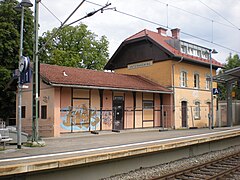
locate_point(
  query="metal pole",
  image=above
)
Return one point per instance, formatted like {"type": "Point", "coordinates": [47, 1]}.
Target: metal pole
{"type": "Point", "coordinates": [35, 76]}
{"type": "Point", "coordinates": [19, 141]}
{"type": "Point", "coordinates": [211, 89]}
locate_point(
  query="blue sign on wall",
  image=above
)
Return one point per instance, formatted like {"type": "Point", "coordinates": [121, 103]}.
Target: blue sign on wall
{"type": "Point", "coordinates": [25, 71]}
{"type": "Point", "coordinates": [216, 91]}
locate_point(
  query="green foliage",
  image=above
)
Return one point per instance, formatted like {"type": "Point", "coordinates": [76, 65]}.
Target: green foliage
{"type": "Point", "coordinates": [74, 46]}
{"type": "Point", "coordinates": [10, 21]}
{"type": "Point", "coordinates": [232, 62]}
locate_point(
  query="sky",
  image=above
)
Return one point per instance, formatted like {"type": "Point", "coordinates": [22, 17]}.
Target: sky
{"type": "Point", "coordinates": [214, 24]}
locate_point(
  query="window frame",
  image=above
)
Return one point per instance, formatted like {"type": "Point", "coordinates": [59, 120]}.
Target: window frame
{"type": "Point", "coordinates": [147, 106]}
{"type": "Point", "coordinates": [43, 111]}
{"type": "Point", "coordinates": [197, 111]}
{"type": "Point", "coordinates": [183, 79]}
{"type": "Point", "coordinates": [196, 81]}
{"type": "Point", "coordinates": [23, 112]}
{"type": "Point", "coordinates": [207, 83]}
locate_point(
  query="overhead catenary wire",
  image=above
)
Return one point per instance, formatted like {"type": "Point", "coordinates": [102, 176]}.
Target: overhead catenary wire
{"type": "Point", "coordinates": [219, 14]}
{"type": "Point", "coordinates": [54, 34]}
{"type": "Point", "coordinates": [90, 14]}
{"type": "Point", "coordinates": [192, 13]}
{"type": "Point", "coordinates": [50, 12]}
{"type": "Point", "coordinates": [155, 23]}
{"type": "Point", "coordinates": [63, 24]}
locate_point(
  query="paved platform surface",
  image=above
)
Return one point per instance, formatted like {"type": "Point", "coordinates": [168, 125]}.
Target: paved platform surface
{"type": "Point", "coordinates": [80, 148]}
{"type": "Point", "coordinates": [82, 141]}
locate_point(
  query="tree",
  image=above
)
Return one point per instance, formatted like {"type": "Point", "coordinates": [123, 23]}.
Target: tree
{"type": "Point", "coordinates": [9, 50]}
{"type": "Point", "coordinates": [74, 46]}
{"type": "Point", "coordinates": [232, 62]}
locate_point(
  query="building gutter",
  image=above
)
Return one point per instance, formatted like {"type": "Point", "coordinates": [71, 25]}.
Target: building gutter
{"type": "Point", "coordinates": [199, 62]}
{"type": "Point", "coordinates": [112, 88]}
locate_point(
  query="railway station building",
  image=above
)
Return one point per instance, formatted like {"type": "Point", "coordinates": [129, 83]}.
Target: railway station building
{"type": "Point", "coordinates": [178, 65]}
{"type": "Point", "coordinates": [75, 99]}
{"type": "Point", "coordinates": [155, 80]}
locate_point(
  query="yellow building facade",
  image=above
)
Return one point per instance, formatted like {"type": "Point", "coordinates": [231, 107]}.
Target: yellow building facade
{"type": "Point", "coordinates": [178, 65]}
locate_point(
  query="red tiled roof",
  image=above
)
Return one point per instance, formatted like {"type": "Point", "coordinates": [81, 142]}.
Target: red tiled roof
{"type": "Point", "coordinates": [79, 77]}
{"type": "Point", "coordinates": [161, 40]}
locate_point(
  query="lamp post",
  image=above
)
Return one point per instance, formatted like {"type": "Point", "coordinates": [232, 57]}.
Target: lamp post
{"type": "Point", "coordinates": [35, 84]}
{"type": "Point", "coordinates": [20, 7]}
{"type": "Point", "coordinates": [212, 51]}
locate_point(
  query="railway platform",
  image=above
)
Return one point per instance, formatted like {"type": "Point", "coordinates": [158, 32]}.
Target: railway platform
{"type": "Point", "coordinates": [83, 149]}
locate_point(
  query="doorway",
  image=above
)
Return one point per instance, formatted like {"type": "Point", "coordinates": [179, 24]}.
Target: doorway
{"type": "Point", "coordinates": [184, 113]}
{"type": "Point", "coordinates": [118, 110]}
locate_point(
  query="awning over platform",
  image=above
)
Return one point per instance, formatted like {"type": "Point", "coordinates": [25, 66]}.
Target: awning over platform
{"type": "Point", "coordinates": [228, 76]}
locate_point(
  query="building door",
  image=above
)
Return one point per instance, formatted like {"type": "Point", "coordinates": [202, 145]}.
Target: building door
{"type": "Point", "coordinates": [184, 113]}
{"type": "Point", "coordinates": [118, 110]}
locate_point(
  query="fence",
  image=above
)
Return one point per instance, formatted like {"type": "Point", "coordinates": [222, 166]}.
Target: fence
{"type": "Point", "coordinates": [165, 116]}
{"type": "Point", "coordinates": [81, 118]}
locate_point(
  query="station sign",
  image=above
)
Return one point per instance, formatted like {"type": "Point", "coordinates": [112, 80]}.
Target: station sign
{"type": "Point", "coordinates": [25, 71]}
{"type": "Point", "coordinates": [216, 91]}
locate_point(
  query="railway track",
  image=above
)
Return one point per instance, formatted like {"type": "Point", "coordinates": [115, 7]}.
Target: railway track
{"type": "Point", "coordinates": [224, 168]}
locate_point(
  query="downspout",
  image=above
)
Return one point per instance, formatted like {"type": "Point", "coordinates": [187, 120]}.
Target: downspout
{"type": "Point", "coordinates": [173, 87]}
{"type": "Point", "coordinates": [101, 106]}
{"type": "Point", "coordinates": [134, 109]}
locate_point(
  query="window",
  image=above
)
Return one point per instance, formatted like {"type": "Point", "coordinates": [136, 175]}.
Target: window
{"type": "Point", "coordinates": [197, 110]}
{"type": "Point", "coordinates": [184, 49]}
{"type": "Point", "coordinates": [147, 104]}
{"type": "Point", "coordinates": [44, 112]}
{"type": "Point", "coordinates": [196, 81]}
{"type": "Point", "coordinates": [208, 82]}
{"type": "Point", "coordinates": [23, 111]}
{"type": "Point", "coordinates": [205, 55]}
{"type": "Point", "coordinates": [183, 79]}
{"type": "Point", "coordinates": [198, 53]}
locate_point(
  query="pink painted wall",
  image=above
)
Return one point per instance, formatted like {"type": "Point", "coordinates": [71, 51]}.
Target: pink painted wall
{"type": "Point", "coordinates": [46, 98]}
{"type": "Point", "coordinates": [128, 116]}
{"type": "Point", "coordinates": [168, 109]}
{"type": "Point", "coordinates": [58, 100]}
{"type": "Point", "coordinates": [57, 113]}
{"type": "Point", "coordinates": [157, 115]}
{"type": "Point", "coordinates": [138, 113]}
{"type": "Point", "coordinates": [107, 110]}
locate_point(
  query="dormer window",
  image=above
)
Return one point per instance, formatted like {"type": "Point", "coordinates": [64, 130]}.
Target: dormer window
{"type": "Point", "coordinates": [184, 49]}
{"type": "Point", "coordinates": [205, 54]}
{"type": "Point", "coordinates": [199, 53]}
{"type": "Point", "coordinates": [194, 50]}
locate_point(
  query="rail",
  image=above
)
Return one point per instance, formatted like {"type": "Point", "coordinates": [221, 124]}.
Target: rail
{"type": "Point", "coordinates": [220, 168]}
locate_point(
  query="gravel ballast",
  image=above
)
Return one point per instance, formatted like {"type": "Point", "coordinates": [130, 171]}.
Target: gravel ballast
{"type": "Point", "coordinates": [171, 167]}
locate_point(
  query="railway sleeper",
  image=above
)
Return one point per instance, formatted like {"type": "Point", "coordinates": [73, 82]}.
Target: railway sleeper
{"type": "Point", "coordinates": [227, 166]}
{"type": "Point", "coordinates": [228, 176]}
{"type": "Point", "coordinates": [216, 167]}
{"type": "Point", "coordinates": [232, 164]}
{"type": "Point", "coordinates": [205, 172]}
{"type": "Point", "coordinates": [186, 177]}
{"type": "Point", "coordinates": [197, 174]}
{"type": "Point", "coordinates": [234, 159]}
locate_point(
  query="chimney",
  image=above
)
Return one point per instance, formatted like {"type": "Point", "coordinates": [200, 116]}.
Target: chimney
{"type": "Point", "coordinates": [162, 31]}
{"type": "Point", "coordinates": [175, 33]}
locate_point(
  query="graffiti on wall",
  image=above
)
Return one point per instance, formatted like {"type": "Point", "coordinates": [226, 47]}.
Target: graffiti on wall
{"type": "Point", "coordinates": [107, 118]}
{"type": "Point", "coordinates": [79, 118]}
